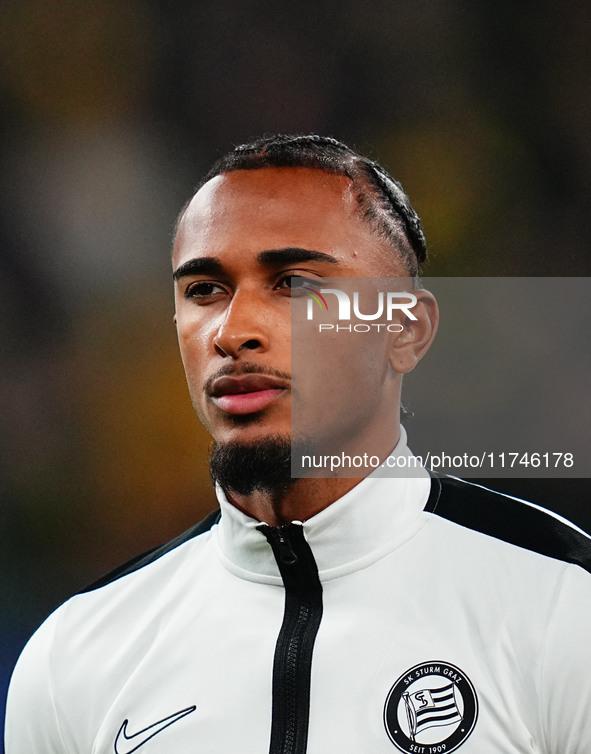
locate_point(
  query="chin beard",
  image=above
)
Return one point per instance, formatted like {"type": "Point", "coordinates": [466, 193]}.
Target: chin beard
{"type": "Point", "coordinates": [261, 466]}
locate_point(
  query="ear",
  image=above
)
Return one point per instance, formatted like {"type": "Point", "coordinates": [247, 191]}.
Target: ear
{"type": "Point", "coordinates": [408, 346]}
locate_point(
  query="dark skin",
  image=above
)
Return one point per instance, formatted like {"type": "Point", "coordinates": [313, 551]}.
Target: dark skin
{"type": "Point", "coordinates": [241, 239]}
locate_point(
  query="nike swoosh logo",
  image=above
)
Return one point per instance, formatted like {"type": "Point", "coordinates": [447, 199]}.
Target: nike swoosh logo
{"type": "Point", "coordinates": [125, 744]}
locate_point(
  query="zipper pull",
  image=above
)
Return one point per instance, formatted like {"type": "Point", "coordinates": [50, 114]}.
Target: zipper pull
{"type": "Point", "coordinates": [286, 553]}
{"type": "Point", "coordinates": [278, 538]}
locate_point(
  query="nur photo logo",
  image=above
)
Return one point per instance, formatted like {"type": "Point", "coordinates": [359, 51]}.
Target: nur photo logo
{"type": "Point", "coordinates": [386, 306]}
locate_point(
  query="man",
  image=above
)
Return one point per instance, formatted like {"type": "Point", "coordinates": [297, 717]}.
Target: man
{"type": "Point", "coordinates": [315, 614]}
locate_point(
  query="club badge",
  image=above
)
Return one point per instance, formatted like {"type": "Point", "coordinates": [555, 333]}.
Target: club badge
{"type": "Point", "coordinates": [430, 709]}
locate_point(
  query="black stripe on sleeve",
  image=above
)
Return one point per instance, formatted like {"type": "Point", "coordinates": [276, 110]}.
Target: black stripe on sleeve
{"type": "Point", "coordinates": [507, 518]}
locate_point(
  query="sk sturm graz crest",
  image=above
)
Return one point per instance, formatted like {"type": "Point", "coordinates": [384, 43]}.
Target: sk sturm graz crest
{"type": "Point", "coordinates": [432, 708]}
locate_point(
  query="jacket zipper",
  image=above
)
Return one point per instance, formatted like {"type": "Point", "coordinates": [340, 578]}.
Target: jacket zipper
{"type": "Point", "coordinates": [292, 663]}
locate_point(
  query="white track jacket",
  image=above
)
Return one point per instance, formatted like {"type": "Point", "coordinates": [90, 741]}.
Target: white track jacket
{"type": "Point", "coordinates": [385, 623]}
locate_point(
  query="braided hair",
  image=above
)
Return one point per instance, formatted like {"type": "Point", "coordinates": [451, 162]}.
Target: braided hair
{"type": "Point", "coordinates": [380, 198]}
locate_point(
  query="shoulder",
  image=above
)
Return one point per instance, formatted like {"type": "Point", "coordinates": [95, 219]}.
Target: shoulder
{"type": "Point", "coordinates": [108, 623]}
{"type": "Point", "coordinates": [102, 622]}
{"type": "Point", "coordinates": [146, 584]}
{"type": "Point", "coordinates": [509, 519]}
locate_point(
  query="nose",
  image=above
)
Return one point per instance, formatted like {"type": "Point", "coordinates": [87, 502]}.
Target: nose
{"type": "Point", "coordinates": [244, 327]}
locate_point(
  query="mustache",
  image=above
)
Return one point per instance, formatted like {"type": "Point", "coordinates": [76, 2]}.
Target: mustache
{"type": "Point", "coordinates": [237, 371]}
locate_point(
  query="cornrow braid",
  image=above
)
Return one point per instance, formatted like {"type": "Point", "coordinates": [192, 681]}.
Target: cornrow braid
{"type": "Point", "coordinates": [402, 206]}
{"type": "Point", "coordinates": [381, 199]}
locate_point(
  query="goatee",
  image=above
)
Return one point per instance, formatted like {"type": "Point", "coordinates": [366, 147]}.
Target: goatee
{"type": "Point", "coordinates": [261, 466]}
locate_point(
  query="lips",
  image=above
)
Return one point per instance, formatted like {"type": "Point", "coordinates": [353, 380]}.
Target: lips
{"type": "Point", "coordinates": [247, 394]}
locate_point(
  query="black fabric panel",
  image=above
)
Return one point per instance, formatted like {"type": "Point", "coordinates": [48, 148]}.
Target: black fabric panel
{"type": "Point", "coordinates": [507, 519]}
{"type": "Point", "coordinates": [157, 552]}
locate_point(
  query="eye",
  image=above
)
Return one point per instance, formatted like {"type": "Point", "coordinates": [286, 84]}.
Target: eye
{"type": "Point", "coordinates": [297, 285]}
{"type": "Point", "coordinates": [203, 290]}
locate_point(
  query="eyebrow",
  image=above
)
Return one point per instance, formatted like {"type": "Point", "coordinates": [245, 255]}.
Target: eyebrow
{"type": "Point", "coordinates": [199, 266]}
{"type": "Point", "coordinates": [277, 257]}
{"type": "Point", "coordinates": [270, 258]}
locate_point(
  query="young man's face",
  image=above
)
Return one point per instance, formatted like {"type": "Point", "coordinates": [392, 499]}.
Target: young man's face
{"type": "Point", "coordinates": [242, 238]}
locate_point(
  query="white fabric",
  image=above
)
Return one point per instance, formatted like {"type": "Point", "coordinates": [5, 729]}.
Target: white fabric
{"type": "Point", "coordinates": [401, 587]}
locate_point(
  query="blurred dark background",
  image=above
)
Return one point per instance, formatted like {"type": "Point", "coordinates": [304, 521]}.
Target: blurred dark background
{"type": "Point", "coordinates": [109, 113]}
